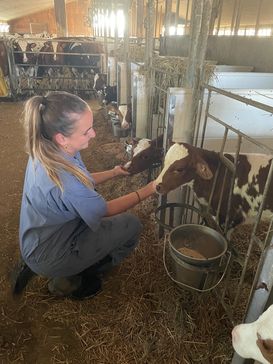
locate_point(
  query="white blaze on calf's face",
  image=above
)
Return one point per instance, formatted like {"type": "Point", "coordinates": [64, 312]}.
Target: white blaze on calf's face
{"type": "Point", "coordinates": [244, 336]}
{"type": "Point", "coordinates": [141, 145]}
{"type": "Point", "coordinates": [176, 152]}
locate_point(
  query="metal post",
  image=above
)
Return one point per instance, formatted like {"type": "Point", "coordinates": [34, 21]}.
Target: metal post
{"type": "Point", "coordinates": [258, 17]}
{"type": "Point", "coordinates": [201, 14]}
{"type": "Point", "coordinates": [177, 15]}
{"type": "Point", "coordinates": [149, 52]}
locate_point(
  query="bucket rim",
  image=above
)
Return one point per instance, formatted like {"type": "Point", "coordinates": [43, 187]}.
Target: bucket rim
{"type": "Point", "coordinates": [172, 205]}
{"type": "Point", "coordinates": [194, 260]}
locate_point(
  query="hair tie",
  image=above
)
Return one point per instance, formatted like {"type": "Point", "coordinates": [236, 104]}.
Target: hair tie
{"type": "Point", "coordinates": [43, 104]}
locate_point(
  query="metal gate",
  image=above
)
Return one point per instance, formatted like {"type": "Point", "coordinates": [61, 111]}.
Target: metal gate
{"type": "Point", "coordinates": [71, 71]}
{"type": "Point", "coordinates": [246, 289]}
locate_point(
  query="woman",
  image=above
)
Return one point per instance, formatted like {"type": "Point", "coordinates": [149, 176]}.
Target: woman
{"type": "Point", "coordinates": [67, 230]}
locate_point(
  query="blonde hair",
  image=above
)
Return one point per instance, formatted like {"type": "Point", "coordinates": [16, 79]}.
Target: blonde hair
{"type": "Point", "coordinates": [44, 117]}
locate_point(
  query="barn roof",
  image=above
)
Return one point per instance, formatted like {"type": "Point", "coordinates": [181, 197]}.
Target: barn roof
{"type": "Point", "coordinates": [14, 9]}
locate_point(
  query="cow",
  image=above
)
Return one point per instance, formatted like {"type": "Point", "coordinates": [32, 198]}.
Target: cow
{"type": "Point", "coordinates": [188, 165]}
{"type": "Point", "coordinates": [45, 58]}
{"type": "Point", "coordinates": [126, 111]}
{"type": "Point", "coordinates": [255, 340]}
{"type": "Point", "coordinates": [110, 94]}
{"type": "Point", "coordinates": [100, 82]}
{"type": "Point", "coordinates": [145, 154]}
{"type": "Point", "coordinates": [83, 56]}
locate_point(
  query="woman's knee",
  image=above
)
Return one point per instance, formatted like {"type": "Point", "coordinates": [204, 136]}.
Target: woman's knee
{"type": "Point", "coordinates": [134, 223]}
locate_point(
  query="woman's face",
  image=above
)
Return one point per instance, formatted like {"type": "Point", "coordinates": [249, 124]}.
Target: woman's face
{"type": "Point", "coordinates": [81, 135]}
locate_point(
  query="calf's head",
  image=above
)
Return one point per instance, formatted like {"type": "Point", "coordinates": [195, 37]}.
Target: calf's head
{"type": "Point", "coordinates": [182, 164]}
{"type": "Point", "coordinates": [245, 336]}
{"type": "Point", "coordinates": [145, 154]}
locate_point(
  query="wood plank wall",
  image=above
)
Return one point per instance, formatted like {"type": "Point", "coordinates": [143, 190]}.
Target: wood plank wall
{"type": "Point", "coordinates": [77, 25]}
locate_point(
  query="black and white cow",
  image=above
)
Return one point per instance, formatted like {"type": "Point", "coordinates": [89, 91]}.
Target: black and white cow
{"type": "Point", "coordinates": [188, 165]}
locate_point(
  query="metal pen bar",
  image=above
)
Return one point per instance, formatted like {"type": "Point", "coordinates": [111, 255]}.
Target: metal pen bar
{"type": "Point", "coordinates": [262, 146]}
{"type": "Point", "coordinates": [245, 100]}
{"type": "Point", "coordinates": [59, 53]}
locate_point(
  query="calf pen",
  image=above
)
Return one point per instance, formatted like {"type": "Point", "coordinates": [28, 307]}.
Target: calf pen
{"type": "Point", "coordinates": [246, 288]}
{"type": "Point", "coordinates": [51, 70]}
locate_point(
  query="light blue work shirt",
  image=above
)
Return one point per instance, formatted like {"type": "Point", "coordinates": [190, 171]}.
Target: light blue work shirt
{"type": "Point", "coordinates": [50, 219]}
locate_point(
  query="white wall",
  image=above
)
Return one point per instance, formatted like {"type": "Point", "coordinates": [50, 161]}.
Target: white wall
{"type": "Point", "coordinates": [254, 122]}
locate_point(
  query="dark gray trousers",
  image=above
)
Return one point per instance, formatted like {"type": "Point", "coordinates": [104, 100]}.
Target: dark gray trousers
{"type": "Point", "coordinates": [117, 236]}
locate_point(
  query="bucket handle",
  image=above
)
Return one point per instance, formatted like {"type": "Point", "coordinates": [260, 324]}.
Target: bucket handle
{"type": "Point", "coordinates": [185, 285]}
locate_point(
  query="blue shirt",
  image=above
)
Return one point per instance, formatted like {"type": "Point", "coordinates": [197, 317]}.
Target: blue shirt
{"type": "Point", "coordinates": [51, 219]}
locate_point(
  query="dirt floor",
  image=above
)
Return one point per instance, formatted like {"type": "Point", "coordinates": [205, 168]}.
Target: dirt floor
{"type": "Point", "coordinates": [141, 316]}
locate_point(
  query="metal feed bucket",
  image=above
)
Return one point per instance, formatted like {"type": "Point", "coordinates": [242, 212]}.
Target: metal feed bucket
{"type": "Point", "coordinates": [118, 131]}
{"type": "Point", "coordinates": [198, 255]}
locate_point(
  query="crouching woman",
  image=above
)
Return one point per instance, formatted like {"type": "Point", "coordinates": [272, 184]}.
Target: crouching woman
{"type": "Point", "coordinates": [68, 231]}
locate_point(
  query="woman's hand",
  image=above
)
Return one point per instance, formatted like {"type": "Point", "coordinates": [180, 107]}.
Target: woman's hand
{"type": "Point", "coordinates": [119, 171]}
{"type": "Point", "coordinates": [152, 186]}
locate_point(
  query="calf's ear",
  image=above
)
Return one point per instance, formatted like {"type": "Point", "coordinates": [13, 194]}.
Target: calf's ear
{"type": "Point", "coordinates": [203, 170]}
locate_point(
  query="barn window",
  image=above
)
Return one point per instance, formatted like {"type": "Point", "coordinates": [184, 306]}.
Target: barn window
{"type": "Point", "coordinates": [4, 28]}
{"type": "Point", "coordinates": [106, 23]}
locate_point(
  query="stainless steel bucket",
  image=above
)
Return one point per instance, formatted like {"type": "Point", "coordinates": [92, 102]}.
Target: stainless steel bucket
{"type": "Point", "coordinates": [197, 255]}
{"type": "Point", "coordinates": [118, 131]}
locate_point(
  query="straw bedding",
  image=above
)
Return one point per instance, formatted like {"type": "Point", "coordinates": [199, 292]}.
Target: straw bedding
{"type": "Point", "coordinates": [139, 317]}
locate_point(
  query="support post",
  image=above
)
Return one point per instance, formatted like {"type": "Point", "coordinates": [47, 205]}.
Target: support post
{"type": "Point", "coordinates": [199, 32]}
{"type": "Point", "coordinates": [60, 15]}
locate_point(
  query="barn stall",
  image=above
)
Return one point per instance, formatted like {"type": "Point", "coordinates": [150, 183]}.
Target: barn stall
{"type": "Point", "coordinates": [141, 316]}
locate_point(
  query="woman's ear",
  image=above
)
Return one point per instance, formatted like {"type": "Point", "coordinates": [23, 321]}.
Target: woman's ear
{"type": "Point", "coordinates": [60, 139]}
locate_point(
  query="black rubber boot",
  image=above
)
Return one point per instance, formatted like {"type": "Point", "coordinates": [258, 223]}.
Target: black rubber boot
{"type": "Point", "coordinates": [20, 276]}
{"type": "Point", "coordinates": [91, 283]}
{"type": "Point", "coordinates": [90, 287]}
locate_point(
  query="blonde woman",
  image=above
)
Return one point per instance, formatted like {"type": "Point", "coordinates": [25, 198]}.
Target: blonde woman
{"type": "Point", "coordinates": [68, 232]}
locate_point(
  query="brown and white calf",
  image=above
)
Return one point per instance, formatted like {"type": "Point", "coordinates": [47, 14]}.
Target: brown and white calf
{"type": "Point", "coordinates": [188, 165]}
{"type": "Point", "coordinates": [145, 154]}
{"type": "Point", "coordinates": [255, 340]}
{"type": "Point", "coordinates": [123, 113]}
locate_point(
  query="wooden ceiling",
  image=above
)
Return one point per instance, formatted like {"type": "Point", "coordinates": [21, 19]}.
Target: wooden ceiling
{"type": "Point", "coordinates": [14, 9]}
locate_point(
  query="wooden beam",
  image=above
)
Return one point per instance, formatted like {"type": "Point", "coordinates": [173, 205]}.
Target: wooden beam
{"type": "Point", "coordinates": [60, 15]}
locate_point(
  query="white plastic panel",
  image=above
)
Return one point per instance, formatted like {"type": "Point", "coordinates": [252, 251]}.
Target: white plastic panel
{"type": "Point", "coordinates": [112, 72]}
{"type": "Point", "coordinates": [122, 83]}
{"type": "Point", "coordinates": [242, 80]}
{"type": "Point", "coordinates": [253, 122]}
{"type": "Point", "coordinates": [139, 104]}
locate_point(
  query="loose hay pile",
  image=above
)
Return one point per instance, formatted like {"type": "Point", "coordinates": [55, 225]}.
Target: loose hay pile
{"type": "Point", "coordinates": [140, 316]}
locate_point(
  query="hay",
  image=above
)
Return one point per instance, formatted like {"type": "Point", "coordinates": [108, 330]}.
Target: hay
{"type": "Point", "coordinates": [136, 52]}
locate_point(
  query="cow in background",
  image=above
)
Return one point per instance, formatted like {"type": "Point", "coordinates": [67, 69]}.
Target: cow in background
{"type": "Point", "coordinates": [255, 340]}
{"type": "Point", "coordinates": [110, 94]}
{"type": "Point", "coordinates": [83, 56]}
{"type": "Point", "coordinates": [188, 165]}
{"type": "Point", "coordinates": [45, 58]}
{"type": "Point", "coordinates": [100, 80]}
